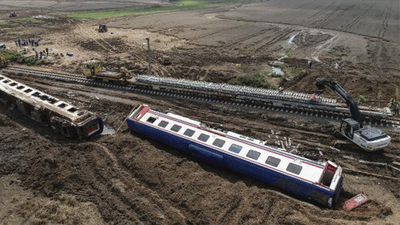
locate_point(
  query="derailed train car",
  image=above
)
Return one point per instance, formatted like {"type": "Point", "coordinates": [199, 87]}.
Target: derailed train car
{"type": "Point", "coordinates": [313, 181]}
{"type": "Point", "coordinates": [61, 116]}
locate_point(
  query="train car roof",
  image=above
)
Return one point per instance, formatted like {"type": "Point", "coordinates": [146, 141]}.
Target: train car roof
{"type": "Point", "coordinates": [36, 97]}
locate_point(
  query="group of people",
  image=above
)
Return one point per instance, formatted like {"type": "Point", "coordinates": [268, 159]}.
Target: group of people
{"type": "Point", "coordinates": [338, 66]}
{"type": "Point", "coordinates": [29, 42]}
{"type": "Point", "coordinates": [41, 54]}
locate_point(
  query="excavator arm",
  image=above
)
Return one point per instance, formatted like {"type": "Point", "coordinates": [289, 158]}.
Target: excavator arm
{"type": "Point", "coordinates": [321, 83]}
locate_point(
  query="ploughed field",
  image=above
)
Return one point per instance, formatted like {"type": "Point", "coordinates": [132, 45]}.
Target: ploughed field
{"type": "Point", "coordinates": [127, 179]}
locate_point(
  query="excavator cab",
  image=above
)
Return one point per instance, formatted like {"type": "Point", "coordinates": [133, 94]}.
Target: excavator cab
{"type": "Point", "coordinates": [348, 127]}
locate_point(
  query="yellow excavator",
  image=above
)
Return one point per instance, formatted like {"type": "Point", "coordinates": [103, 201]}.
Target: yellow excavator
{"type": "Point", "coordinates": [3, 61]}
{"type": "Point", "coordinates": [94, 70]}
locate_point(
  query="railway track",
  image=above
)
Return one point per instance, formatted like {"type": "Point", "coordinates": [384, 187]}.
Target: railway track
{"type": "Point", "coordinates": [371, 117]}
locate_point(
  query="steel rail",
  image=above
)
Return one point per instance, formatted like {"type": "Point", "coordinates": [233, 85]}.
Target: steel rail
{"type": "Point", "coordinates": [287, 106]}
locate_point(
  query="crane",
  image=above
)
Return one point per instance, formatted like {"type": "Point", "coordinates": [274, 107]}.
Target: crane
{"type": "Point", "coordinates": [366, 137]}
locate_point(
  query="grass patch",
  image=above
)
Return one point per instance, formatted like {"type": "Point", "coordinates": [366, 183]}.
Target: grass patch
{"type": "Point", "coordinates": [362, 99]}
{"type": "Point", "coordinates": [18, 58]}
{"type": "Point", "coordinates": [292, 71]}
{"type": "Point", "coordinates": [275, 75]}
{"type": "Point", "coordinates": [2, 23]}
{"type": "Point", "coordinates": [256, 80]}
{"type": "Point", "coordinates": [178, 5]}
{"type": "Point", "coordinates": [26, 20]}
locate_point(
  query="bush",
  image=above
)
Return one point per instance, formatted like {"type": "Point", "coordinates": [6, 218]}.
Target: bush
{"type": "Point", "coordinates": [251, 80]}
{"type": "Point", "coordinates": [18, 58]}
{"type": "Point", "coordinates": [275, 75]}
{"type": "Point", "coordinates": [362, 99]}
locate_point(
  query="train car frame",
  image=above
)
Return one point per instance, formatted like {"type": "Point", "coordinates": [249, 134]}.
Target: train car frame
{"type": "Point", "coordinates": [61, 116]}
{"type": "Point", "coordinates": [316, 182]}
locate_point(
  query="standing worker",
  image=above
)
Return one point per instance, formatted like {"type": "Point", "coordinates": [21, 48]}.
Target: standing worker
{"type": "Point", "coordinates": [394, 106]}
{"type": "Point", "coordinates": [309, 63]}
{"type": "Point", "coordinates": [336, 66]}
{"type": "Point", "coordinates": [313, 98]}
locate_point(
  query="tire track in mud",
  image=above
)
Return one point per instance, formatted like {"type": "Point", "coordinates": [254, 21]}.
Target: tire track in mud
{"type": "Point", "coordinates": [140, 60]}
{"type": "Point", "coordinates": [216, 32]}
{"type": "Point", "coordinates": [247, 38]}
{"type": "Point", "coordinates": [283, 35]}
{"type": "Point", "coordinates": [385, 22]}
{"type": "Point", "coordinates": [88, 35]}
{"type": "Point", "coordinates": [358, 18]}
{"type": "Point", "coordinates": [132, 187]}
{"type": "Point", "coordinates": [332, 16]}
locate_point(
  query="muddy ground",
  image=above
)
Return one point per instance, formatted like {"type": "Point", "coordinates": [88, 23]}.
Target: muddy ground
{"type": "Point", "coordinates": [126, 179]}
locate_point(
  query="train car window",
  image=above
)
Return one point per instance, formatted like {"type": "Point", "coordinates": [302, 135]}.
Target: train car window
{"type": "Point", "coordinates": [13, 84]}
{"type": "Point", "coordinates": [151, 120]}
{"type": "Point", "coordinates": [1, 78]}
{"type": "Point", "coordinates": [163, 123]}
{"type": "Point", "coordinates": [28, 90]}
{"type": "Point", "coordinates": [203, 137]}
{"type": "Point", "coordinates": [293, 168]}
{"type": "Point", "coordinates": [189, 132]}
{"type": "Point", "coordinates": [20, 87]}
{"type": "Point", "coordinates": [273, 161]}
{"type": "Point", "coordinates": [6, 81]}
{"type": "Point", "coordinates": [52, 100]}
{"type": "Point", "coordinates": [71, 109]}
{"type": "Point", "coordinates": [253, 154]}
{"type": "Point", "coordinates": [36, 94]}
{"type": "Point", "coordinates": [176, 128]}
{"type": "Point", "coordinates": [62, 105]}
{"type": "Point", "coordinates": [219, 143]}
{"type": "Point", "coordinates": [235, 148]}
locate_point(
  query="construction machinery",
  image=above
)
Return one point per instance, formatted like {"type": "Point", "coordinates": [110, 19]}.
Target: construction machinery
{"type": "Point", "coordinates": [164, 59]}
{"type": "Point", "coordinates": [102, 28]}
{"type": "Point", "coordinates": [93, 70]}
{"type": "Point", "coordinates": [366, 137]}
{"type": "Point", "coordinates": [3, 61]}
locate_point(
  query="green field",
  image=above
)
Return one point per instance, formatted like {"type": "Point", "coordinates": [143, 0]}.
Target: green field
{"type": "Point", "coordinates": [178, 5]}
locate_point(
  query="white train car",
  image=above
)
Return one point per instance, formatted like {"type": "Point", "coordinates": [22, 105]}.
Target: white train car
{"type": "Point", "coordinates": [313, 181]}
{"type": "Point", "coordinates": [61, 116]}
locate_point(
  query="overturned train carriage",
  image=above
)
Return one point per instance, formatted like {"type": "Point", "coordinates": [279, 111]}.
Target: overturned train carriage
{"type": "Point", "coordinates": [313, 181]}
{"type": "Point", "coordinates": [61, 116]}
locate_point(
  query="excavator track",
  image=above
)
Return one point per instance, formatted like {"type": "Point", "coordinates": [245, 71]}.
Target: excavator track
{"type": "Point", "coordinates": [285, 105]}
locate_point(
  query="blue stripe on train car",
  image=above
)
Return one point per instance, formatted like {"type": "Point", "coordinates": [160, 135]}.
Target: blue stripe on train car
{"type": "Point", "coordinates": [308, 191]}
